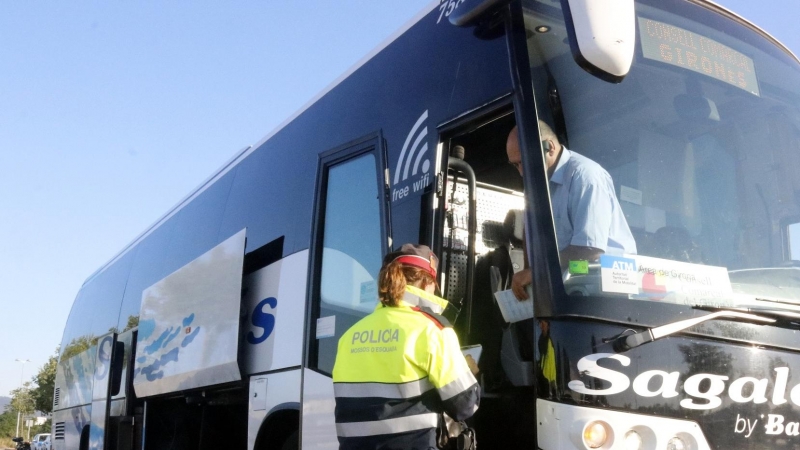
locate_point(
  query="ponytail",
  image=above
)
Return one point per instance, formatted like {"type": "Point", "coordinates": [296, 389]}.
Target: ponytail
{"type": "Point", "coordinates": [394, 277]}
{"type": "Point", "coordinates": [391, 284]}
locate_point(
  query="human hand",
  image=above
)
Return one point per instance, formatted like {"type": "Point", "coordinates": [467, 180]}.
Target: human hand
{"type": "Point", "coordinates": [473, 366]}
{"type": "Point", "coordinates": [519, 282]}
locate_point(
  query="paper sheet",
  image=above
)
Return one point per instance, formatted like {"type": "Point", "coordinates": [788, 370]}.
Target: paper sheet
{"type": "Point", "coordinates": [474, 351]}
{"type": "Point", "coordinates": [514, 310]}
{"type": "Point", "coordinates": [326, 327]}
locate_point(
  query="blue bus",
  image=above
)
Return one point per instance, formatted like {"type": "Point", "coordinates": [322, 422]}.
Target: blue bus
{"type": "Point", "coordinates": [217, 327]}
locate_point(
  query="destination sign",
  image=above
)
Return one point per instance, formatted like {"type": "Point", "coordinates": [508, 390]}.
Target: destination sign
{"type": "Point", "coordinates": [678, 47]}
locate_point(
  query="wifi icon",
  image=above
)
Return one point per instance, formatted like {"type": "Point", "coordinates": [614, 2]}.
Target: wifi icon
{"type": "Point", "coordinates": [415, 153]}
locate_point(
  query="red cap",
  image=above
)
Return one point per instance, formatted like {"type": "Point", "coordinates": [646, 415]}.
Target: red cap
{"type": "Point", "coordinates": [415, 255]}
{"type": "Point", "coordinates": [418, 261]}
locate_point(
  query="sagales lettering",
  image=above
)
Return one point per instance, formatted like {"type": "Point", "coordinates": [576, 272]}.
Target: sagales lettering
{"type": "Point", "coordinates": [740, 390]}
{"type": "Point", "coordinates": [263, 320]}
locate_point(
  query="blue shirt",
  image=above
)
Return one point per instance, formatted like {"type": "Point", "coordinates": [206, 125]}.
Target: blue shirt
{"type": "Point", "coordinates": [585, 207]}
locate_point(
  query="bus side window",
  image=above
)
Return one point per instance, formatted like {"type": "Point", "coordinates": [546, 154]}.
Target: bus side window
{"type": "Point", "coordinates": [351, 253]}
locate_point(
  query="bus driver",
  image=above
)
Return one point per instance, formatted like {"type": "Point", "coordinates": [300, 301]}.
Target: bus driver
{"type": "Point", "coordinates": [588, 218]}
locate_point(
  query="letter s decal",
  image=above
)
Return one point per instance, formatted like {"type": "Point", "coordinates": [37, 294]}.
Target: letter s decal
{"type": "Point", "coordinates": [588, 366]}
{"type": "Point", "coordinates": [263, 320]}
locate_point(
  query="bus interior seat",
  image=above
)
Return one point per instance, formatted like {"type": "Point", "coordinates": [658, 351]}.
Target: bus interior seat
{"type": "Point", "coordinates": [516, 354]}
{"type": "Point", "coordinates": [493, 203]}
{"type": "Point", "coordinates": [488, 329]}
{"type": "Point", "coordinates": [514, 225]}
{"type": "Point", "coordinates": [507, 354]}
{"type": "Point", "coordinates": [518, 370]}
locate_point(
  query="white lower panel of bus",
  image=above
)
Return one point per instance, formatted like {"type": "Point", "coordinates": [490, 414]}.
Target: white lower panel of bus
{"type": "Point", "coordinates": [319, 427]}
{"type": "Point", "coordinates": [562, 427]}
{"type": "Point", "coordinates": [268, 394]}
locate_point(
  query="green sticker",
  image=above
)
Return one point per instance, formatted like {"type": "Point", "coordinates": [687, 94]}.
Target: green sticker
{"type": "Point", "coordinates": [579, 267]}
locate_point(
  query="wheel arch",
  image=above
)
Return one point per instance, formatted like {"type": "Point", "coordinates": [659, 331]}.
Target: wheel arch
{"type": "Point", "coordinates": [280, 423]}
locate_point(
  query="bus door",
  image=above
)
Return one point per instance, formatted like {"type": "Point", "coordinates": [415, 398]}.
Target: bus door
{"type": "Point", "coordinates": [107, 382]}
{"type": "Point", "coordinates": [125, 418]}
{"type": "Point", "coordinates": [351, 236]}
{"type": "Point", "coordinates": [478, 229]}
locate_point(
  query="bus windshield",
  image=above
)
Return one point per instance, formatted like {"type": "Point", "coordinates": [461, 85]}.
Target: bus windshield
{"type": "Point", "coordinates": [700, 141]}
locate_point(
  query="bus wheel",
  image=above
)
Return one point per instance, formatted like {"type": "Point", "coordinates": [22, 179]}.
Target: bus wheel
{"type": "Point", "coordinates": [291, 442]}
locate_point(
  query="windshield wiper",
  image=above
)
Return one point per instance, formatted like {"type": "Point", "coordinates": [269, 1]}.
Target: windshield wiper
{"type": "Point", "coordinates": [626, 342]}
{"type": "Point", "coordinates": [782, 317]}
{"type": "Point", "coordinates": [778, 300]}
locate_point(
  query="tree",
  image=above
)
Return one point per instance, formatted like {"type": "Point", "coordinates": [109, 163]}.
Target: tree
{"type": "Point", "coordinates": [22, 404]}
{"type": "Point", "coordinates": [45, 384]}
{"type": "Point", "coordinates": [22, 399]}
{"type": "Point", "coordinates": [8, 423]}
{"type": "Point", "coordinates": [133, 322]}
{"type": "Point", "coordinates": [78, 345]}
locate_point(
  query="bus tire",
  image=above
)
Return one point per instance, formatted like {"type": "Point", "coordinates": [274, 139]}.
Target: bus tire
{"type": "Point", "coordinates": [292, 442]}
{"type": "Point", "coordinates": [279, 431]}
{"type": "Point", "coordinates": [83, 444]}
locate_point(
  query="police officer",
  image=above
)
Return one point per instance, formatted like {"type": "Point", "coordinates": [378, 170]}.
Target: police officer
{"type": "Point", "coordinates": [401, 366]}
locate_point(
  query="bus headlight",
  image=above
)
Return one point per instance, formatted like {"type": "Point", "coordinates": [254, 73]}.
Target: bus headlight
{"type": "Point", "coordinates": [633, 441]}
{"type": "Point", "coordinates": [596, 434]}
{"type": "Point", "coordinates": [563, 426]}
{"type": "Point", "coordinates": [676, 443]}
{"type": "Point", "coordinates": [682, 441]}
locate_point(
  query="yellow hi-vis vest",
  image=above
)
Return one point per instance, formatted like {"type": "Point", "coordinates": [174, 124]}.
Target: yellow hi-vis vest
{"type": "Point", "coordinates": [396, 370]}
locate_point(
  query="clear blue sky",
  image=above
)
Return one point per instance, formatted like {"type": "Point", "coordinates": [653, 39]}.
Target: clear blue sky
{"type": "Point", "coordinates": [111, 112]}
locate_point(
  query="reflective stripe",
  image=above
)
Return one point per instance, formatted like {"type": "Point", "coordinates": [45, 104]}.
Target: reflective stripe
{"type": "Point", "coordinates": [415, 300]}
{"type": "Point", "coordinates": [457, 386]}
{"type": "Point", "coordinates": [388, 426]}
{"type": "Point", "coordinates": [382, 390]}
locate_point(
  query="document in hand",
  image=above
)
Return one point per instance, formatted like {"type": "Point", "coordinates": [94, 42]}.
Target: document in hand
{"type": "Point", "coordinates": [472, 350]}
{"type": "Point", "coordinates": [514, 310]}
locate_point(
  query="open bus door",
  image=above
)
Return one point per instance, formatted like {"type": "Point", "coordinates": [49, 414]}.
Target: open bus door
{"type": "Point", "coordinates": [108, 380]}
{"type": "Point", "coordinates": [477, 227]}
{"type": "Point", "coordinates": [351, 236]}
{"type": "Point", "coordinates": [125, 417]}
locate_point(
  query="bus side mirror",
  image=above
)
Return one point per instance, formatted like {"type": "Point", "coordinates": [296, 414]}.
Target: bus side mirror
{"type": "Point", "coordinates": [602, 36]}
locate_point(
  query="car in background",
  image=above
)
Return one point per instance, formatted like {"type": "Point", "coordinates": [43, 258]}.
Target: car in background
{"type": "Point", "coordinates": [41, 442]}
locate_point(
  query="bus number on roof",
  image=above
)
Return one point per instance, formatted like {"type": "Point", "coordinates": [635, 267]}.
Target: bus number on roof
{"type": "Point", "coordinates": [446, 7]}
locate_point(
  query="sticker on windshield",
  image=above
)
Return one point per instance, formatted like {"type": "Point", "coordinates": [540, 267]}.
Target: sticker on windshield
{"type": "Point", "coordinates": [619, 275]}
{"type": "Point", "coordinates": [369, 291]}
{"type": "Point", "coordinates": [630, 195]}
{"type": "Point", "coordinates": [649, 278]}
{"type": "Point", "coordinates": [678, 47]}
{"type": "Point", "coordinates": [580, 267]}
